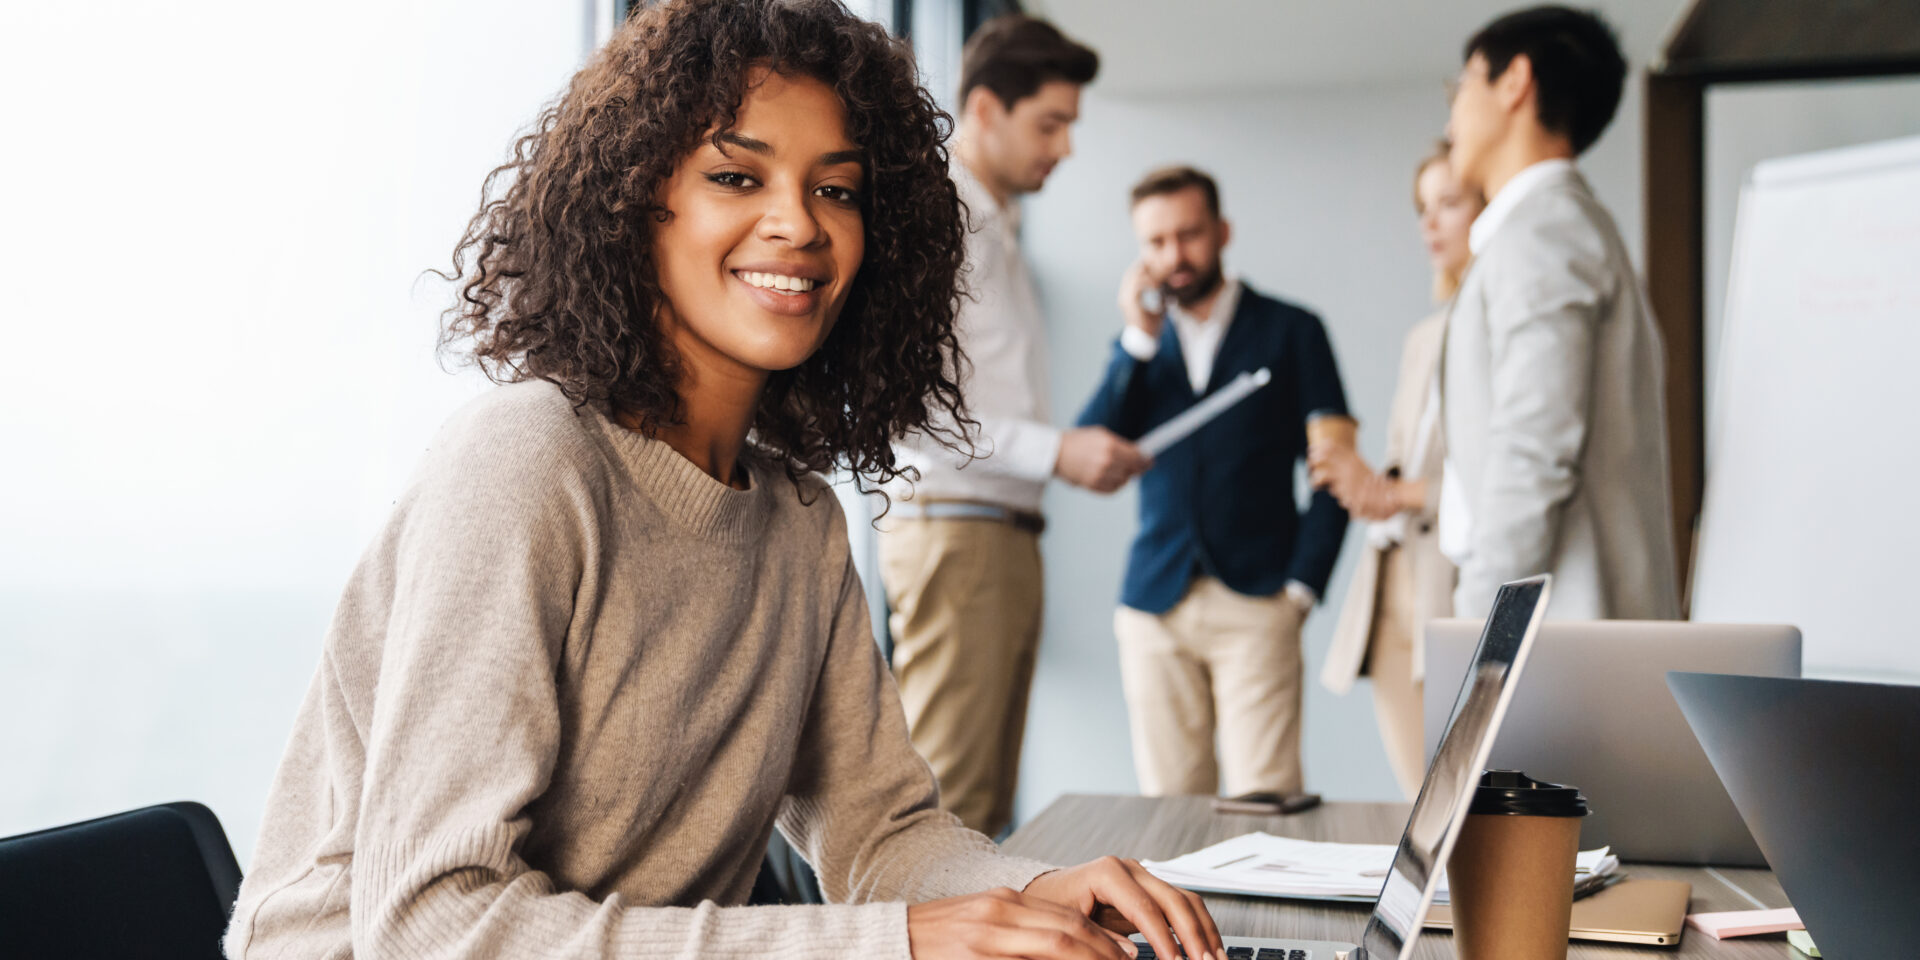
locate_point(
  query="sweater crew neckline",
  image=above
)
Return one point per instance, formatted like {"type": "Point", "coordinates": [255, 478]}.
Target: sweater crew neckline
{"type": "Point", "coordinates": [686, 494]}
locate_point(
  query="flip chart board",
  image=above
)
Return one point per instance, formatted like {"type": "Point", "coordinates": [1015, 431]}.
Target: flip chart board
{"type": "Point", "coordinates": [1811, 514]}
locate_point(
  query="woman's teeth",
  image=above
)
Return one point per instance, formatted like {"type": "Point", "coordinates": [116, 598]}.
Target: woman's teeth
{"type": "Point", "coordinates": [776, 281]}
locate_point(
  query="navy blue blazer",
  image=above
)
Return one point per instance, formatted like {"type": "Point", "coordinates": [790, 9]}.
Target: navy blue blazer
{"type": "Point", "coordinates": [1221, 502]}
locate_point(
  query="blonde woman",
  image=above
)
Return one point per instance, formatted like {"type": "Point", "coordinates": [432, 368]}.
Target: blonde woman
{"type": "Point", "coordinates": [1402, 579]}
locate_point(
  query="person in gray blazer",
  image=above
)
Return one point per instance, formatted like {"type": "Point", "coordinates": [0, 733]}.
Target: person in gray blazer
{"type": "Point", "coordinates": [1552, 379]}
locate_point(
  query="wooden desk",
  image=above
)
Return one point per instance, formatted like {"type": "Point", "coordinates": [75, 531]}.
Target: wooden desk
{"type": "Point", "coordinates": [1078, 828]}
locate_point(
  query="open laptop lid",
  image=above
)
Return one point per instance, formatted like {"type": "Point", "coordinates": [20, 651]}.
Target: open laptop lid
{"type": "Point", "coordinates": [1455, 771]}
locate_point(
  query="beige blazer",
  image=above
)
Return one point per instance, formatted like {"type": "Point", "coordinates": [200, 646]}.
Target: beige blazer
{"type": "Point", "coordinates": [1432, 574]}
{"type": "Point", "coordinates": [1554, 396]}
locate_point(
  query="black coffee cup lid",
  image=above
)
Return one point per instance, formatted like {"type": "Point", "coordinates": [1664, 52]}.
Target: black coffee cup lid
{"type": "Point", "coordinates": [1512, 793]}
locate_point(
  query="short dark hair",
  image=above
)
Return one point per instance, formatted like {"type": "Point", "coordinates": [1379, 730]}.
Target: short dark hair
{"type": "Point", "coordinates": [1175, 179]}
{"type": "Point", "coordinates": [1013, 54]}
{"type": "Point", "coordinates": [1578, 71]}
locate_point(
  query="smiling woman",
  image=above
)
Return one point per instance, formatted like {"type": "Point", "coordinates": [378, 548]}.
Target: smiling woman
{"type": "Point", "coordinates": [565, 270]}
{"type": "Point", "coordinates": [762, 241]}
{"type": "Point", "coordinates": [601, 649]}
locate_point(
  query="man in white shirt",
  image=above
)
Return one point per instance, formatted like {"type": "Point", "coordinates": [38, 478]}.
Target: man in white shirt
{"type": "Point", "coordinates": [1553, 382]}
{"type": "Point", "coordinates": [960, 548]}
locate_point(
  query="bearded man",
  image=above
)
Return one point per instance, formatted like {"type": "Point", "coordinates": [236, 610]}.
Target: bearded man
{"type": "Point", "coordinates": [1226, 565]}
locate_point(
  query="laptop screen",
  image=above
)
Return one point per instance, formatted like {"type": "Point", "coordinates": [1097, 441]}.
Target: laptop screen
{"type": "Point", "coordinates": [1455, 771]}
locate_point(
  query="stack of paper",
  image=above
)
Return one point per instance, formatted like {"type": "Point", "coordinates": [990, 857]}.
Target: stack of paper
{"type": "Point", "coordinates": [1263, 865]}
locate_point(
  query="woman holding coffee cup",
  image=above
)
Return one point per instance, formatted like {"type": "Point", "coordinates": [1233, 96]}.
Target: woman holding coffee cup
{"type": "Point", "coordinates": [1402, 579]}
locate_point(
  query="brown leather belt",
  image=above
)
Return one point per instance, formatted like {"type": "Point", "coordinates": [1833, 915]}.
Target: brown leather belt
{"type": "Point", "coordinates": [967, 510]}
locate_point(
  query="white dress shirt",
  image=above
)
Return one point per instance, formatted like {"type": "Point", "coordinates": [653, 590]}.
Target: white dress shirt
{"type": "Point", "coordinates": [1455, 515]}
{"type": "Point", "coordinates": [1003, 335]}
{"type": "Point", "coordinates": [1200, 346]}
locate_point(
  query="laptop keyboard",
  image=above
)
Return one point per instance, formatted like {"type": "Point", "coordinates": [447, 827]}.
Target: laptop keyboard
{"type": "Point", "coordinates": [1241, 953]}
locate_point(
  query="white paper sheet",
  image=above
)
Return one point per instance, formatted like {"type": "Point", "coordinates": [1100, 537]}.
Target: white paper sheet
{"type": "Point", "coordinates": [1261, 864]}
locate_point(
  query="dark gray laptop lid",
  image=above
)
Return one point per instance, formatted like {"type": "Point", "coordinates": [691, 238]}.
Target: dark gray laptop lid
{"type": "Point", "coordinates": [1827, 774]}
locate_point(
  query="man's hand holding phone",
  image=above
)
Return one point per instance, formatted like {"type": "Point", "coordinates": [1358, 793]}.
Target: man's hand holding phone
{"type": "Point", "coordinates": [1136, 286]}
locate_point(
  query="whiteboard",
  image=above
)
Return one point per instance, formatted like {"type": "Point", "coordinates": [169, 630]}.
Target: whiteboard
{"type": "Point", "coordinates": [1812, 508]}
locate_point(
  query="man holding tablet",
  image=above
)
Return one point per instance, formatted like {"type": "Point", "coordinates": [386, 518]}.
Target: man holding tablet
{"type": "Point", "coordinates": [1225, 566]}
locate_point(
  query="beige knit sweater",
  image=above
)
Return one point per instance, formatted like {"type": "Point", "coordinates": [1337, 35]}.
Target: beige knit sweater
{"type": "Point", "coordinates": [569, 692]}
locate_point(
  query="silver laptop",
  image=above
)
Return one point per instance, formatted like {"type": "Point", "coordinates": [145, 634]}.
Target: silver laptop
{"type": "Point", "coordinates": [1452, 776]}
{"type": "Point", "coordinates": [1596, 714]}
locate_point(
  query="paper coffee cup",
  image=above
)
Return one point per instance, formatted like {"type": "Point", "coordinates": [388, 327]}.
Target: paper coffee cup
{"type": "Point", "coordinates": [1511, 873]}
{"type": "Point", "coordinates": [1327, 426]}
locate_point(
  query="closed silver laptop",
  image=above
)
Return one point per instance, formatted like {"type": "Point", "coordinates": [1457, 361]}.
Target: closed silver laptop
{"type": "Point", "coordinates": [1596, 713]}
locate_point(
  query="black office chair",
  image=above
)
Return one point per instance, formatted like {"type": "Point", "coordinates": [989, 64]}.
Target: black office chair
{"type": "Point", "coordinates": [785, 877]}
{"type": "Point", "coordinates": [151, 884]}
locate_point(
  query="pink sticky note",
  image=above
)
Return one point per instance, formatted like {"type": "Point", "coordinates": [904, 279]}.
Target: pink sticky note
{"type": "Point", "coordinates": [1745, 923]}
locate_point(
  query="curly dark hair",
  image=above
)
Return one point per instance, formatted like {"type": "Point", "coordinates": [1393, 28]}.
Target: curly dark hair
{"type": "Point", "coordinates": [557, 281]}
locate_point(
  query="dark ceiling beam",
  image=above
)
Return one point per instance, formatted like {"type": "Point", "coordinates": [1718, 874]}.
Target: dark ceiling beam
{"type": "Point", "coordinates": [1760, 71]}
{"type": "Point", "coordinates": [1743, 35]}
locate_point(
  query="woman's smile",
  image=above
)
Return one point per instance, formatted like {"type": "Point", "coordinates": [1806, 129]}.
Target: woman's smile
{"type": "Point", "coordinates": [767, 231]}
{"type": "Point", "coordinates": [785, 290]}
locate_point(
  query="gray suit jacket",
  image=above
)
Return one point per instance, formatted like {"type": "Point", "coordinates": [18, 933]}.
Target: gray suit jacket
{"type": "Point", "coordinates": [1554, 408]}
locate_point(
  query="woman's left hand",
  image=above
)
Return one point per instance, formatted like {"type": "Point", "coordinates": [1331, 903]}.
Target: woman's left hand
{"type": "Point", "coordinates": [1337, 469]}
{"type": "Point", "coordinates": [1376, 499]}
{"type": "Point", "coordinates": [1122, 896]}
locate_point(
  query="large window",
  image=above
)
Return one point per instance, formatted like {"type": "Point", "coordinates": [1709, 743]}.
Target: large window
{"type": "Point", "coordinates": [220, 358]}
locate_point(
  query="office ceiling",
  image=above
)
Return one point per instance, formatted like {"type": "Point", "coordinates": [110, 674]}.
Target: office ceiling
{"type": "Point", "coordinates": [1175, 46]}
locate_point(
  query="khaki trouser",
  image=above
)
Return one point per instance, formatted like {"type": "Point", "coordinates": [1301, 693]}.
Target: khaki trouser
{"type": "Point", "coordinates": [966, 600]}
{"type": "Point", "coordinates": [1396, 694]}
{"type": "Point", "coordinates": [1217, 660]}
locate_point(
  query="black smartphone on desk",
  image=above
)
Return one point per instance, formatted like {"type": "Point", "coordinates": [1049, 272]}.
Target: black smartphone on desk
{"type": "Point", "coordinates": [1268, 803]}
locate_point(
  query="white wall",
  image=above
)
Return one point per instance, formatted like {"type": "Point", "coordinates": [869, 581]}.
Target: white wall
{"type": "Point", "coordinates": [1318, 185]}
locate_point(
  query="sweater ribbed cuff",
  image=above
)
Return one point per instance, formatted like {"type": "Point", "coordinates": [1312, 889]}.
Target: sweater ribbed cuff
{"type": "Point", "coordinates": [423, 898]}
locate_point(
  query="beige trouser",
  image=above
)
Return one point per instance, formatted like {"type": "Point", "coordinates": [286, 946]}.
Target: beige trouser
{"type": "Point", "coordinates": [966, 600]}
{"type": "Point", "coordinates": [1396, 694]}
{"type": "Point", "coordinates": [1217, 659]}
